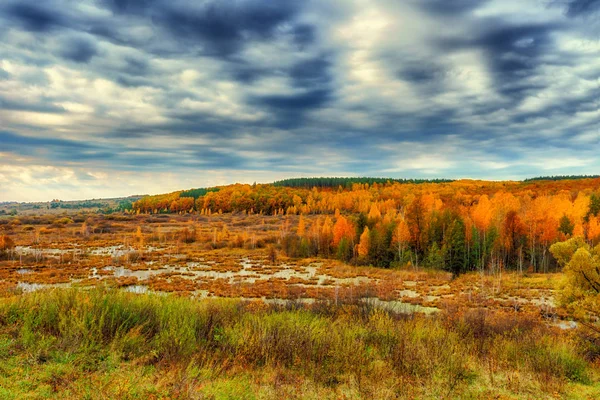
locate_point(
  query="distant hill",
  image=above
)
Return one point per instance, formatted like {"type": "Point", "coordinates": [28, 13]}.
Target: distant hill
{"type": "Point", "coordinates": [346, 182]}
{"type": "Point", "coordinates": [285, 193]}
{"type": "Point", "coordinates": [325, 194]}
{"type": "Point", "coordinates": [107, 205]}
{"type": "Point", "coordinates": [560, 178]}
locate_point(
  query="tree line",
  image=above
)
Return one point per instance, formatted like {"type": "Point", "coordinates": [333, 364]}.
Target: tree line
{"type": "Point", "coordinates": [457, 226]}
{"type": "Point", "coordinates": [560, 177]}
{"type": "Point", "coordinates": [347, 182]}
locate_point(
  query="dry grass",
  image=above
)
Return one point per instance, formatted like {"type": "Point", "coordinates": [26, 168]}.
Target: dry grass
{"type": "Point", "coordinates": [110, 344]}
{"type": "Point", "coordinates": [226, 255]}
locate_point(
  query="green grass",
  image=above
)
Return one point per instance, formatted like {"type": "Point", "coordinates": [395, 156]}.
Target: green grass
{"type": "Point", "coordinates": [101, 344]}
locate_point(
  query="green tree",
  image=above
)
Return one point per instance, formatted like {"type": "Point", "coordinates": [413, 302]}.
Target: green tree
{"type": "Point", "coordinates": [563, 251]}
{"type": "Point", "coordinates": [415, 218]}
{"type": "Point", "coordinates": [566, 226]}
{"type": "Point", "coordinates": [436, 256]}
{"type": "Point", "coordinates": [380, 252]}
{"type": "Point", "coordinates": [361, 223]}
{"type": "Point", "coordinates": [581, 265]}
{"type": "Point", "coordinates": [594, 207]}
{"type": "Point", "coordinates": [344, 250]}
{"type": "Point", "coordinates": [456, 260]}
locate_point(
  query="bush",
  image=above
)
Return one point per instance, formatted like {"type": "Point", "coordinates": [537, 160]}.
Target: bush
{"type": "Point", "coordinates": [432, 356]}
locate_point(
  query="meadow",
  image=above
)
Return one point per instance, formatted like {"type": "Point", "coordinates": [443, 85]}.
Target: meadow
{"type": "Point", "coordinates": [104, 343]}
{"type": "Point", "coordinates": [210, 306]}
{"type": "Point", "coordinates": [366, 290]}
{"type": "Point", "coordinates": [236, 256]}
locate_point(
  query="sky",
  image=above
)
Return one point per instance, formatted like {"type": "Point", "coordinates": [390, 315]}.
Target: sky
{"type": "Point", "coordinates": [106, 98]}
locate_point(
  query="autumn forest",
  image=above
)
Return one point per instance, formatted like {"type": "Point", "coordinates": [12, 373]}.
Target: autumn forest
{"type": "Point", "coordinates": [456, 226]}
{"type": "Point", "coordinates": [351, 288]}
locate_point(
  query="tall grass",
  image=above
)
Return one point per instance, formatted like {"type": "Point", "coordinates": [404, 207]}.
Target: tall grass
{"type": "Point", "coordinates": [329, 345]}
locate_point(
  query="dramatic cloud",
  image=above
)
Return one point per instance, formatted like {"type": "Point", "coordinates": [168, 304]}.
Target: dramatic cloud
{"type": "Point", "coordinates": [582, 7]}
{"type": "Point", "coordinates": [114, 97]}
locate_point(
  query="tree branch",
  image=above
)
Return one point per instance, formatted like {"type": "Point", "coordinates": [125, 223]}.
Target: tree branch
{"type": "Point", "coordinates": [592, 284]}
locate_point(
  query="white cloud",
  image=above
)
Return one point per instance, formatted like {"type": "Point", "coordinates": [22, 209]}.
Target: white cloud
{"type": "Point", "coordinates": [405, 91]}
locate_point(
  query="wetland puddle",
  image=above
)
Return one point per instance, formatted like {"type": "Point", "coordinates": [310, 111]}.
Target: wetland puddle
{"type": "Point", "coordinates": [162, 270]}
{"type": "Point", "coordinates": [243, 272]}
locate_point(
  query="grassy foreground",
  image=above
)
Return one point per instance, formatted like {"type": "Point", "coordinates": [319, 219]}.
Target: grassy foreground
{"type": "Point", "coordinates": [107, 344]}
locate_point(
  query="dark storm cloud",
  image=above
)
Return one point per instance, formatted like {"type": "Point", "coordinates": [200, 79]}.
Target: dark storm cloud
{"type": "Point", "coordinates": [31, 146]}
{"type": "Point", "coordinates": [213, 28]}
{"type": "Point", "coordinates": [59, 150]}
{"type": "Point", "coordinates": [246, 73]}
{"type": "Point", "coordinates": [197, 124]}
{"type": "Point", "coordinates": [221, 28]}
{"type": "Point", "coordinates": [303, 74]}
{"type": "Point", "coordinates": [582, 7]}
{"type": "Point", "coordinates": [129, 81]}
{"type": "Point", "coordinates": [288, 110]}
{"type": "Point", "coordinates": [313, 80]}
{"type": "Point", "coordinates": [450, 7]}
{"type": "Point", "coordinates": [219, 159]}
{"type": "Point", "coordinates": [79, 50]}
{"type": "Point", "coordinates": [224, 30]}
{"type": "Point", "coordinates": [567, 108]}
{"type": "Point", "coordinates": [42, 106]}
{"type": "Point", "coordinates": [303, 34]}
{"type": "Point", "coordinates": [423, 72]}
{"type": "Point", "coordinates": [36, 17]}
{"type": "Point", "coordinates": [130, 6]}
{"type": "Point", "coordinates": [527, 40]}
{"type": "Point", "coordinates": [136, 66]}
{"type": "Point", "coordinates": [514, 52]}
{"type": "Point", "coordinates": [314, 72]}
{"type": "Point", "coordinates": [386, 87]}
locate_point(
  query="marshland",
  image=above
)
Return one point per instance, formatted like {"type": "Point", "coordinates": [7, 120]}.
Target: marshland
{"type": "Point", "coordinates": [302, 300]}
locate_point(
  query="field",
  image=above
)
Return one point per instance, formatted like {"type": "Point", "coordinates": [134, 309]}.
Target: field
{"type": "Point", "coordinates": [84, 307]}
{"type": "Point", "coordinates": [233, 256]}
{"type": "Point", "coordinates": [102, 344]}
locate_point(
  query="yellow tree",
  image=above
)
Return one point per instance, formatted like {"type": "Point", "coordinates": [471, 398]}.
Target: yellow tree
{"type": "Point", "coordinates": [482, 214]}
{"type": "Point", "coordinates": [579, 210]}
{"type": "Point", "coordinates": [6, 246]}
{"type": "Point", "coordinates": [301, 227]}
{"type": "Point", "coordinates": [593, 229]}
{"type": "Point", "coordinates": [139, 237]}
{"type": "Point", "coordinates": [342, 229]}
{"type": "Point", "coordinates": [581, 294]}
{"type": "Point", "coordinates": [315, 233]}
{"type": "Point", "coordinates": [326, 235]}
{"type": "Point", "coordinates": [6, 243]}
{"type": "Point", "coordinates": [364, 243]}
{"type": "Point", "coordinates": [401, 237]}
{"type": "Point", "coordinates": [85, 230]}
{"type": "Point", "coordinates": [416, 218]}
{"type": "Point", "coordinates": [374, 213]}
